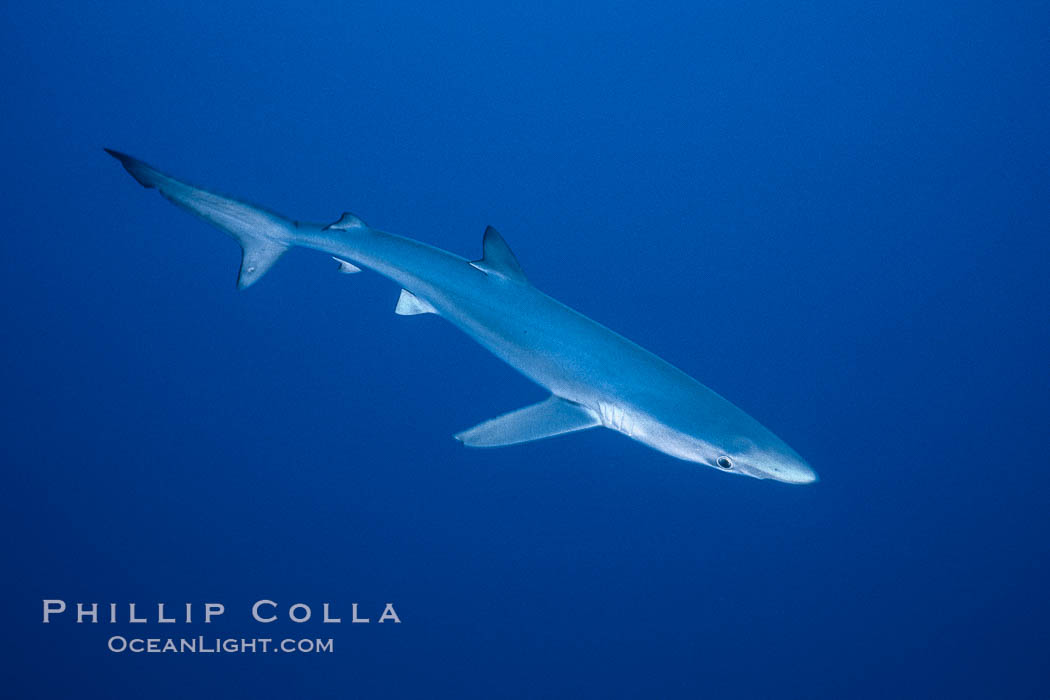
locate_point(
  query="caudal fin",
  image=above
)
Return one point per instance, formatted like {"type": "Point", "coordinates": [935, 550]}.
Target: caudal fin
{"type": "Point", "coordinates": [263, 235]}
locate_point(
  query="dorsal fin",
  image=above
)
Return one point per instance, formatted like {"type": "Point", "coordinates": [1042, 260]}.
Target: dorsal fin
{"type": "Point", "coordinates": [497, 257]}
{"type": "Point", "coordinates": [346, 221]}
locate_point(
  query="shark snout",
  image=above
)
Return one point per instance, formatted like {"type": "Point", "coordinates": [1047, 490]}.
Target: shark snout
{"type": "Point", "coordinates": [794, 472]}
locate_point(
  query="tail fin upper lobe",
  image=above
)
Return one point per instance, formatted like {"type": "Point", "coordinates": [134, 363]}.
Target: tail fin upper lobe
{"type": "Point", "coordinates": [263, 235]}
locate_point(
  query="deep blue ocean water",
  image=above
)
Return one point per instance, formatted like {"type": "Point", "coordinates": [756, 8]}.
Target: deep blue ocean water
{"type": "Point", "coordinates": [834, 214]}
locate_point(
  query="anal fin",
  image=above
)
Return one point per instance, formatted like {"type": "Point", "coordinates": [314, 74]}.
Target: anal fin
{"type": "Point", "coordinates": [345, 267]}
{"type": "Point", "coordinates": [555, 416]}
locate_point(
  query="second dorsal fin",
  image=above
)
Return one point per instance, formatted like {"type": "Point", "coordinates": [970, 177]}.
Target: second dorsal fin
{"type": "Point", "coordinates": [346, 222]}
{"type": "Point", "coordinates": [497, 257]}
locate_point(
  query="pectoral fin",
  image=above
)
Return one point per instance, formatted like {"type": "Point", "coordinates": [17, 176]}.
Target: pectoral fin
{"type": "Point", "coordinates": [554, 416]}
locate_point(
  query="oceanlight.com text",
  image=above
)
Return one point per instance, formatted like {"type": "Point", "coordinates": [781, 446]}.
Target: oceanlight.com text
{"type": "Point", "coordinates": [218, 645]}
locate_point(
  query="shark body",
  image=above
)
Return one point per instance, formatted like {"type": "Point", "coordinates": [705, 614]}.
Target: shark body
{"type": "Point", "coordinates": [595, 376]}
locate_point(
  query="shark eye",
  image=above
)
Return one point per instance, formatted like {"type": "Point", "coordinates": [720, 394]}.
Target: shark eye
{"type": "Point", "coordinates": [724, 462]}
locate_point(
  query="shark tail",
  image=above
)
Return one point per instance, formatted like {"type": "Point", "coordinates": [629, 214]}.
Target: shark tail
{"type": "Point", "coordinates": [263, 235]}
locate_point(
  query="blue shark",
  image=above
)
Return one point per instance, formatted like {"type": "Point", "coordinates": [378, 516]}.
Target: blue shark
{"type": "Point", "coordinates": [596, 377]}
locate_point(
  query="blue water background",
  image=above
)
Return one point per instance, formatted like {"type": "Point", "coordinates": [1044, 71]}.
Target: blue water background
{"type": "Point", "coordinates": [835, 214]}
